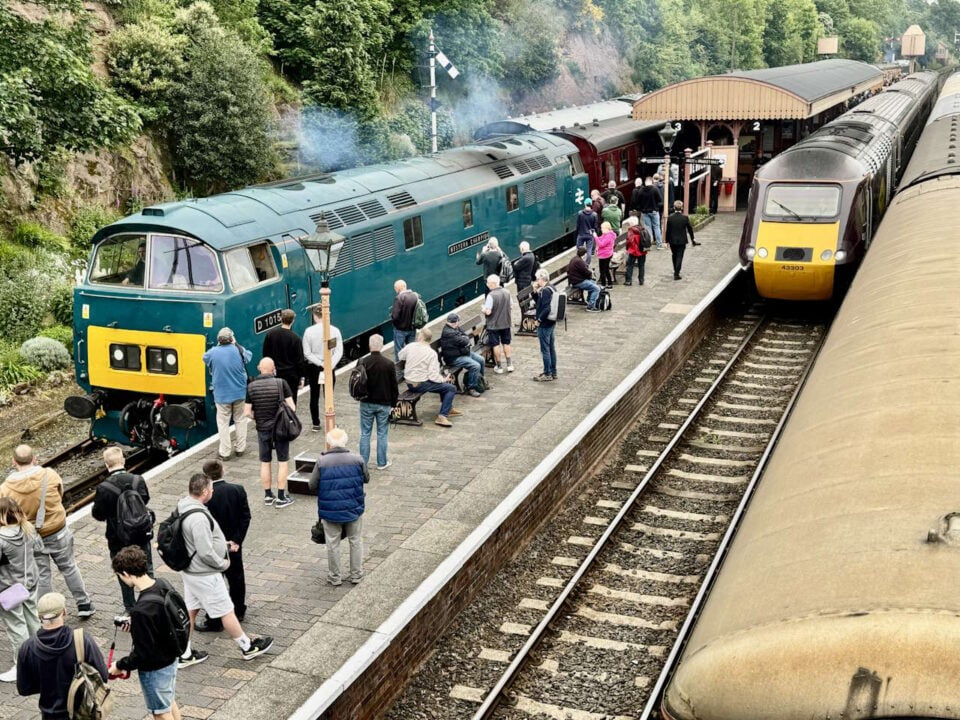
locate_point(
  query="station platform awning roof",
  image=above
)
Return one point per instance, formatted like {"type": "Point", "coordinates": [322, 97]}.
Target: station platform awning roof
{"type": "Point", "coordinates": [792, 92]}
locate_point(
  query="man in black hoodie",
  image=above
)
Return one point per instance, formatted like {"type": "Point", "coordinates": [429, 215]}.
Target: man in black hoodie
{"type": "Point", "coordinates": [154, 653]}
{"type": "Point", "coordinates": [46, 661]}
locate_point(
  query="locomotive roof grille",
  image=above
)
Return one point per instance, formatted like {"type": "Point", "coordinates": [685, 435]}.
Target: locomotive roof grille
{"type": "Point", "coordinates": [401, 200]}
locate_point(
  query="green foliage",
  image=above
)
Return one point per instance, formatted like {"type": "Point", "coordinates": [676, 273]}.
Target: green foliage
{"type": "Point", "coordinates": [532, 46]}
{"type": "Point", "coordinates": [790, 35]}
{"type": "Point", "coordinates": [15, 258]}
{"type": "Point", "coordinates": [21, 306]}
{"type": "Point", "coordinates": [60, 303]}
{"type": "Point", "coordinates": [413, 121]}
{"type": "Point", "coordinates": [220, 132]}
{"type": "Point", "coordinates": [145, 60]}
{"type": "Point", "coordinates": [14, 371]}
{"type": "Point", "coordinates": [45, 353]}
{"type": "Point", "coordinates": [861, 39]}
{"type": "Point", "coordinates": [63, 334]}
{"type": "Point", "coordinates": [702, 210]}
{"type": "Point", "coordinates": [33, 235]}
{"type": "Point", "coordinates": [85, 223]}
{"type": "Point", "coordinates": [50, 99]}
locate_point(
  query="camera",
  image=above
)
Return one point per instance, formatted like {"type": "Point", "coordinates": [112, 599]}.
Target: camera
{"type": "Point", "coordinates": [121, 620]}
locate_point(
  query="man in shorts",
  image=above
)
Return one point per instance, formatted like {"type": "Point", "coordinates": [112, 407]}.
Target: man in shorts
{"type": "Point", "coordinates": [154, 653]}
{"type": "Point", "coordinates": [264, 396]}
{"type": "Point", "coordinates": [203, 584]}
{"type": "Point", "coordinates": [497, 309]}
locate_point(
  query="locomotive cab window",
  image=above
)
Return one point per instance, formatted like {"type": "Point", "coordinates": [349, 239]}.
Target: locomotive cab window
{"type": "Point", "coordinates": [412, 233]}
{"type": "Point", "coordinates": [120, 260]}
{"type": "Point", "coordinates": [248, 266]}
{"type": "Point", "coordinates": [794, 202]}
{"type": "Point", "coordinates": [513, 198]}
{"type": "Point", "coordinates": [576, 165]}
{"type": "Point", "coordinates": [179, 263]}
{"type": "Point", "coordinates": [467, 214]}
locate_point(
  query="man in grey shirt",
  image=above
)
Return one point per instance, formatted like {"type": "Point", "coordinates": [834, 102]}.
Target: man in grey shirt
{"type": "Point", "coordinates": [497, 309]}
{"type": "Point", "coordinates": [203, 585]}
{"type": "Point", "coordinates": [313, 342]}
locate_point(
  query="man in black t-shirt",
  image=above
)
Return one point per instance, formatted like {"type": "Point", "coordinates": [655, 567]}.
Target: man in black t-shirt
{"type": "Point", "coordinates": [264, 396]}
{"type": "Point", "coordinates": [153, 655]}
{"type": "Point", "coordinates": [285, 348]}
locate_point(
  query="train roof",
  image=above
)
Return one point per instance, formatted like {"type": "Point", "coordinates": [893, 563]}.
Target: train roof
{"type": "Point", "coordinates": [347, 197]}
{"type": "Point", "coordinates": [607, 134]}
{"type": "Point", "coordinates": [577, 115]}
{"type": "Point", "coordinates": [936, 153]}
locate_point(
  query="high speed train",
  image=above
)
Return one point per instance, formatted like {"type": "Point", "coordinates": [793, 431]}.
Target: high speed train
{"type": "Point", "coordinates": [815, 208]}
{"type": "Point", "coordinates": [840, 595]}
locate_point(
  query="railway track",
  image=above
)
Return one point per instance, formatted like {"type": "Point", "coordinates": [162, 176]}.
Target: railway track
{"type": "Point", "coordinates": [587, 636]}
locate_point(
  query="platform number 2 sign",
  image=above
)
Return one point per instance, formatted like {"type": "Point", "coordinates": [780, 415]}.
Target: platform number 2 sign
{"type": "Point", "coordinates": [756, 126]}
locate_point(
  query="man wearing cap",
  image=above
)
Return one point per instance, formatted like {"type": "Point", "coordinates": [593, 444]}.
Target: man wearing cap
{"type": "Point", "coordinates": [228, 366]}
{"type": "Point", "coordinates": [588, 227]}
{"type": "Point", "coordinates": [455, 347]}
{"type": "Point", "coordinates": [313, 342]}
{"type": "Point", "coordinates": [46, 661]}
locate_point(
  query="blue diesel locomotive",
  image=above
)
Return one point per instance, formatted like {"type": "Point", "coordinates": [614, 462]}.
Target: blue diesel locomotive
{"type": "Point", "coordinates": [162, 282]}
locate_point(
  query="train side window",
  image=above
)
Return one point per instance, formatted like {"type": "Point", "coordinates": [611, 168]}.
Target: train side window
{"type": "Point", "coordinates": [513, 198]}
{"type": "Point", "coordinates": [412, 233]}
{"type": "Point", "coordinates": [624, 167]}
{"type": "Point", "coordinates": [120, 260]}
{"type": "Point", "coordinates": [250, 265]}
{"type": "Point", "coordinates": [611, 171]}
{"type": "Point", "coordinates": [467, 214]}
{"type": "Point", "coordinates": [576, 165]}
{"type": "Point", "coordinates": [179, 263]}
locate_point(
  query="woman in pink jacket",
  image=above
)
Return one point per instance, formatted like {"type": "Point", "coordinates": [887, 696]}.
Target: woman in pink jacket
{"type": "Point", "coordinates": [605, 245]}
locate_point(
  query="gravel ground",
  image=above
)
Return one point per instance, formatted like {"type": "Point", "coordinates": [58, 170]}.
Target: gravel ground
{"type": "Point", "coordinates": [17, 421]}
{"type": "Point", "coordinates": [568, 673]}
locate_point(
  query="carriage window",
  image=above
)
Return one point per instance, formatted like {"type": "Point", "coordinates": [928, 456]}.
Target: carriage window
{"type": "Point", "coordinates": [611, 171]}
{"type": "Point", "coordinates": [798, 202]}
{"type": "Point", "coordinates": [248, 266]}
{"type": "Point", "coordinates": [412, 233]}
{"type": "Point", "coordinates": [120, 260]}
{"type": "Point", "coordinates": [178, 263]}
{"type": "Point", "coordinates": [513, 198]}
{"type": "Point", "coordinates": [467, 214]}
{"type": "Point", "coordinates": [624, 167]}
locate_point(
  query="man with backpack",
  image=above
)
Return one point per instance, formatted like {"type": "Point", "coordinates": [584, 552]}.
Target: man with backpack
{"type": "Point", "coordinates": [192, 542]}
{"type": "Point", "coordinates": [264, 396]}
{"type": "Point", "coordinates": [639, 241]}
{"type": "Point", "coordinates": [401, 315]}
{"type": "Point", "coordinates": [121, 500]}
{"type": "Point", "coordinates": [374, 384]}
{"type": "Point", "coordinates": [159, 628]}
{"type": "Point", "coordinates": [47, 661]}
{"type": "Point", "coordinates": [548, 312]}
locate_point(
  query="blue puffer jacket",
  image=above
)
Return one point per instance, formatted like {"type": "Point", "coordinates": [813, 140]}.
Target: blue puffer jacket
{"type": "Point", "coordinates": [338, 481]}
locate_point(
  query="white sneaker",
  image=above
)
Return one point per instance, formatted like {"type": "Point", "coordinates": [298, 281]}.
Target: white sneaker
{"type": "Point", "coordinates": [10, 675]}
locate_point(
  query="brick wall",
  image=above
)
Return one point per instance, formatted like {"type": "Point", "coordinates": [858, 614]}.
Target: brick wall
{"type": "Point", "coordinates": [372, 693]}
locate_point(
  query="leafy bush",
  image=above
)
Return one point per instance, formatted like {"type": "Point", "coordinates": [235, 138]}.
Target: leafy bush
{"type": "Point", "coordinates": [86, 221]}
{"type": "Point", "coordinates": [702, 210]}
{"type": "Point", "coordinates": [14, 259]}
{"type": "Point", "coordinates": [13, 370]}
{"type": "Point", "coordinates": [45, 353]}
{"type": "Point", "coordinates": [33, 235]}
{"type": "Point", "coordinates": [21, 306]}
{"type": "Point", "coordinates": [144, 59]}
{"type": "Point", "coordinates": [61, 304]}
{"type": "Point", "coordinates": [62, 334]}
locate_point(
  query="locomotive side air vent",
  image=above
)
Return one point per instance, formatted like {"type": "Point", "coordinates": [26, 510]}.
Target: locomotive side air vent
{"type": "Point", "coordinates": [152, 212]}
{"type": "Point", "coordinates": [542, 160]}
{"type": "Point", "coordinates": [361, 250]}
{"type": "Point", "coordinates": [503, 172]}
{"type": "Point", "coordinates": [384, 243]}
{"type": "Point", "coordinates": [350, 215]}
{"type": "Point", "coordinates": [522, 166]}
{"type": "Point", "coordinates": [331, 218]}
{"type": "Point", "coordinates": [373, 209]}
{"type": "Point", "coordinates": [401, 200]}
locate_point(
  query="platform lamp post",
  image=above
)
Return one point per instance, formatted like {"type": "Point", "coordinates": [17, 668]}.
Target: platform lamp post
{"type": "Point", "coordinates": [328, 245]}
{"type": "Point", "coordinates": [668, 134]}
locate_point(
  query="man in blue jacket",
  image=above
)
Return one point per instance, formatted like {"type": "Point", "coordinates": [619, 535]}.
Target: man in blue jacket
{"type": "Point", "coordinates": [228, 365]}
{"type": "Point", "coordinates": [338, 480]}
{"type": "Point", "coordinates": [543, 291]}
{"type": "Point", "coordinates": [588, 227]}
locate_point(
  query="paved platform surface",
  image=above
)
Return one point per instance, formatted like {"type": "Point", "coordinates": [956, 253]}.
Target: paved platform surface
{"type": "Point", "coordinates": [442, 483]}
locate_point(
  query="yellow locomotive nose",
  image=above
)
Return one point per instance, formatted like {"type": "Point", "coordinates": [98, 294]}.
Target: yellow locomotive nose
{"type": "Point", "coordinates": [795, 261]}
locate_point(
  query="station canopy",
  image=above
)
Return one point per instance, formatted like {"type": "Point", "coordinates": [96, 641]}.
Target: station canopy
{"type": "Point", "coordinates": [792, 92]}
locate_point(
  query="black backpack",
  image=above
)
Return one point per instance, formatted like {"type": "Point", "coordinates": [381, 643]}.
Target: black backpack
{"type": "Point", "coordinates": [170, 542]}
{"type": "Point", "coordinates": [286, 424]}
{"type": "Point", "coordinates": [603, 301]}
{"type": "Point", "coordinates": [134, 522]}
{"type": "Point", "coordinates": [358, 382]}
{"type": "Point", "coordinates": [174, 642]}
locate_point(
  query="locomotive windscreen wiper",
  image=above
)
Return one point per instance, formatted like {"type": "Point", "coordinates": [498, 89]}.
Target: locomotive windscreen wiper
{"type": "Point", "coordinates": [792, 212]}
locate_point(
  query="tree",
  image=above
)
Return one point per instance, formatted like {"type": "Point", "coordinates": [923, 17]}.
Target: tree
{"type": "Point", "coordinates": [50, 100]}
{"type": "Point", "coordinates": [144, 60]}
{"type": "Point", "coordinates": [790, 35]}
{"type": "Point", "coordinates": [675, 52]}
{"type": "Point", "coordinates": [221, 121]}
{"type": "Point", "coordinates": [734, 33]}
{"type": "Point", "coordinates": [861, 39]}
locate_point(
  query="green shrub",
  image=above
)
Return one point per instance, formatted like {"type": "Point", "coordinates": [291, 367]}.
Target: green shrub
{"type": "Point", "coordinates": [702, 210]}
{"type": "Point", "coordinates": [85, 223]}
{"type": "Point", "coordinates": [45, 353]}
{"type": "Point", "coordinates": [62, 334]}
{"type": "Point", "coordinates": [61, 304]}
{"type": "Point", "coordinates": [13, 370]}
{"type": "Point", "coordinates": [21, 306]}
{"type": "Point", "coordinates": [15, 259]}
{"type": "Point", "coordinates": [33, 235]}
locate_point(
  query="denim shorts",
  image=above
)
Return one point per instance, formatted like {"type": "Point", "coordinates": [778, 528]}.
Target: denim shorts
{"type": "Point", "coordinates": [268, 444]}
{"type": "Point", "coordinates": [158, 688]}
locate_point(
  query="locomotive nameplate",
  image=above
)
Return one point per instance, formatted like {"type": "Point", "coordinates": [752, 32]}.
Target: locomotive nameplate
{"type": "Point", "coordinates": [265, 322]}
{"type": "Point", "coordinates": [469, 242]}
